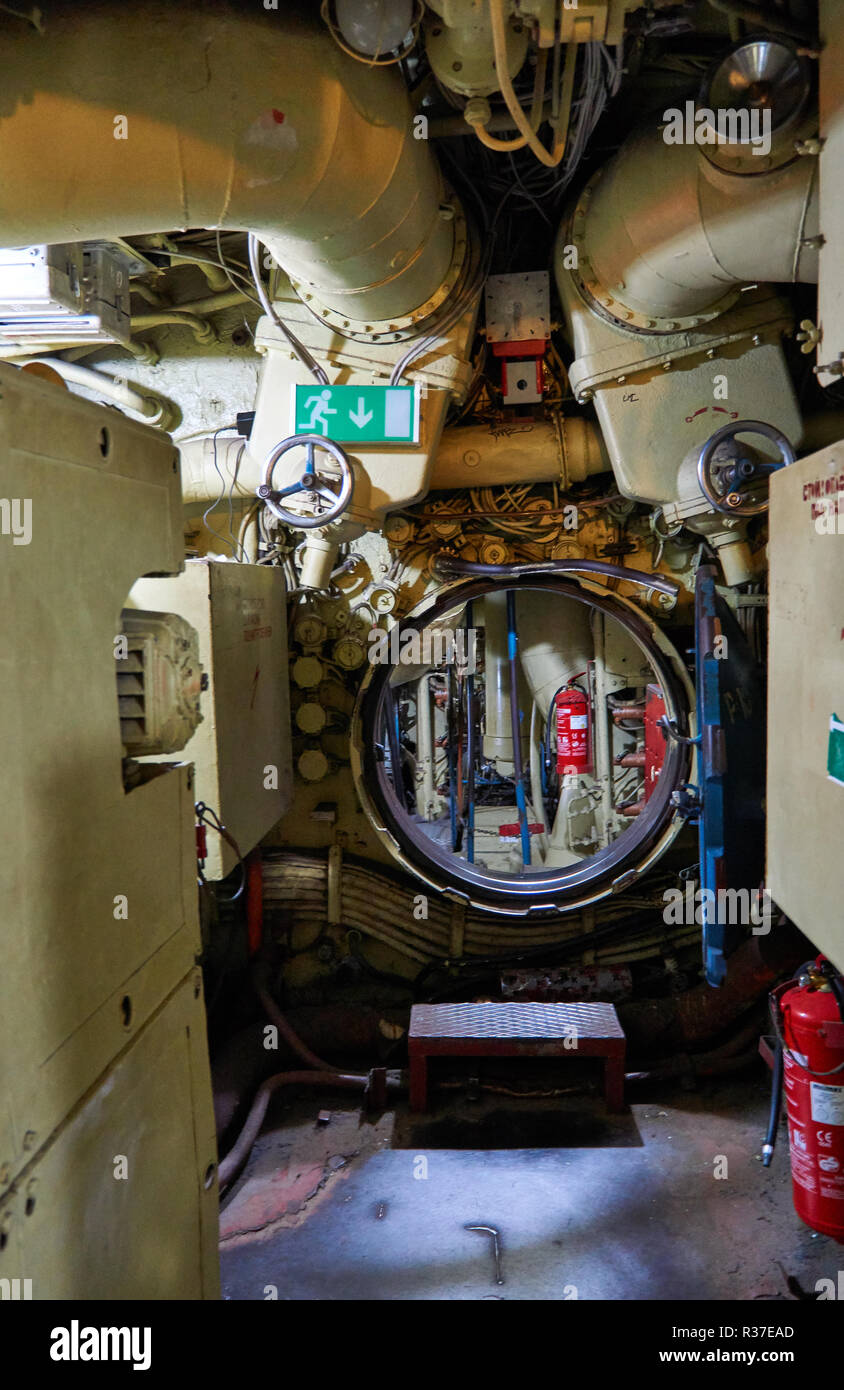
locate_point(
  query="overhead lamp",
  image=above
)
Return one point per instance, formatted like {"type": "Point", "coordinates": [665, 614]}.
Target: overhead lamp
{"type": "Point", "coordinates": [761, 74]}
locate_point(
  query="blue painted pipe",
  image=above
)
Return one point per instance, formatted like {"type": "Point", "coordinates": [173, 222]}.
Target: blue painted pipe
{"type": "Point", "coordinates": [452, 766]}
{"type": "Point", "coordinates": [515, 722]}
{"type": "Point", "coordinates": [470, 747]}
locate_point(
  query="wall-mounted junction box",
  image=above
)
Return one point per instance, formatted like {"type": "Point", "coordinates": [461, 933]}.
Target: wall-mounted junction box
{"type": "Point", "coordinates": [241, 750]}
{"type": "Point", "coordinates": [78, 292]}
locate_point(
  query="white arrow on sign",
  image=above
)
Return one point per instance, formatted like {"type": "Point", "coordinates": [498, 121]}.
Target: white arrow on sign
{"type": "Point", "coordinates": [360, 417]}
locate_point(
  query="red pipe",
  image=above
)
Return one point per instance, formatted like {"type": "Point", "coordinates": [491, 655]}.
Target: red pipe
{"type": "Point", "coordinates": [242, 1147]}
{"type": "Point", "coordinates": [630, 759]}
{"type": "Point", "coordinates": [687, 1020]}
{"type": "Point", "coordinates": [629, 712]}
{"type": "Point", "coordinates": [254, 901]}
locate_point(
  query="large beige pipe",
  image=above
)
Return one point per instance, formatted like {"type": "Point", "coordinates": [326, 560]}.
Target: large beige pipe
{"type": "Point", "coordinates": [667, 235]}
{"type": "Point", "coordinates": [555, 642]}
{"type": "Point", "coordinates": [467, 456]}
{"type": "Point", "coordinates": [531, 451]}
{"type": "Point", "coordinates": [237, 120]}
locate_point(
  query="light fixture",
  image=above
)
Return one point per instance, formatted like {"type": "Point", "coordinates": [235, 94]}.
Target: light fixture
{"type": "Point", "coordinates": [376, 30]}
{"type": "Point", "coordinates": [763, 74]}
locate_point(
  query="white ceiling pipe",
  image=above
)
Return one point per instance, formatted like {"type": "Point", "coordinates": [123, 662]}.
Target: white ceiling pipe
{"type": "Point", "coordinates": [122, 120]}
{"type": "Point", "coordinates": [153, 408]}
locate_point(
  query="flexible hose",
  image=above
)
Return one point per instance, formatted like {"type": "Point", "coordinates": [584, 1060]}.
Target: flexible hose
{"type": "Point", "coordinates": [836, 984]}
{"type": "Point", "coordinates": [499, 40]}
{"type": "Point", "coordinates": [776, 1107]}
{"type": "Point", "coordinates": [294, 1042]}
{"type": "Point", "coordinates": [242, 1147]}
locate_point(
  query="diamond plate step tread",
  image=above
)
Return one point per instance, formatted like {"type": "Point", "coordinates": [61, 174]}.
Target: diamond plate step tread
{"type": "Point", "coordinates": [517, 1021]}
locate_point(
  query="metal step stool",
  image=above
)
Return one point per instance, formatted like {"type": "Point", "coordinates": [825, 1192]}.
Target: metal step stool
{"type": "Point", "coordinates": [516, 1030]}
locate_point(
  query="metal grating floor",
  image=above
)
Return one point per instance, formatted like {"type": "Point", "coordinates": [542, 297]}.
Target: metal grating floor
{"type": "Point", "coordinates": [516, 1021]}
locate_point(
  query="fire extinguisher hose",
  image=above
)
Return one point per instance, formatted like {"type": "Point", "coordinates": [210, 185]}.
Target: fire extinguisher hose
{"type": "Point", "coordinates": [837, 986]}
{"type": "Point", "coordinates": [776, 1106]}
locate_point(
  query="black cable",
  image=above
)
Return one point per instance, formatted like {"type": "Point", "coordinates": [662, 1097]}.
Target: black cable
{"type": "Point", "coordinates": [269, 309]}
{"type": "Point", "coordinates": [217, 500]}
{"type": "Point", "coordinates": [546, 953]}
{"type": "Point", "coordinates": [205, 815]}
{"type": "Point", "coordinates": [836, 984]}
{"type": "Point", "coordinates": [776, 1106]}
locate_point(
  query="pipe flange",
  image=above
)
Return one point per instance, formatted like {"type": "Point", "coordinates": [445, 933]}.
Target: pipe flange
{"type": "Point", "coordinates": [786, 146]}
{"type": "Point", "coordinates": [773, 77]}
{"type": "Point", "coordinates": [402, 326]}
{"type": "Point", "coordinates": [611, 306]}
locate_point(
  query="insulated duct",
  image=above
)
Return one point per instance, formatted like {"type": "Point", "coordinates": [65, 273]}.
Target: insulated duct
{"type": "Point", "coordinates": [666, 239]}
{"type": "Point", "coordinates": [120, 120]}
{"type": "Point", "coordinates": [563, 451]}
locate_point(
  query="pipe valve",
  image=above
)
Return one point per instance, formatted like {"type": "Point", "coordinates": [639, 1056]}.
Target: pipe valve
{"type": "Point", "coordinates": [318, 487]}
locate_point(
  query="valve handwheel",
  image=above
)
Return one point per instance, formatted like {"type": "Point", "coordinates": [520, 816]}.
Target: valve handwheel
{"type": "Point", "coordinates": [738, 474]}
{"type": "Point", "coordinates": [318, 486]}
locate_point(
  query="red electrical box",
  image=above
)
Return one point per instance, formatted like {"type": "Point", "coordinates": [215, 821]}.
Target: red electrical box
{"type": "Point", "coordinates": [574, 733]}
{"type": "Point", "coordinates": [654, 738]}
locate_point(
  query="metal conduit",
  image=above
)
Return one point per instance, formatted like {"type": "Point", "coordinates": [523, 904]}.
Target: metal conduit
{"type": "Point", "coordinates": [295, 890]}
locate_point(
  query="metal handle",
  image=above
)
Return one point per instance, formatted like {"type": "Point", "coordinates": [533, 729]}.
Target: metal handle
{"type": "Point", "coordinates": [669, 729]}
{"type": "Point", "coordinates": [311, 482]}
{"type": "Point", "coordinates": [733, 502]}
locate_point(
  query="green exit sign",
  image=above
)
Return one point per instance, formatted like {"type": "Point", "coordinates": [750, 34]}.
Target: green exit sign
{"type": "Point", "coordinates": [358, 414]}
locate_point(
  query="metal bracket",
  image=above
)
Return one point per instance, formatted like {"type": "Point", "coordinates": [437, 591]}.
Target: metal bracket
{"type": "Point", "coordinates": [687, 801]}
{"type": "Point", "coordinates": [669, 728]}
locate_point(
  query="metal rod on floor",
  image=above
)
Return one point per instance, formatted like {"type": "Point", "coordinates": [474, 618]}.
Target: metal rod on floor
{"type": "Point", "coordinates": [515, 717]}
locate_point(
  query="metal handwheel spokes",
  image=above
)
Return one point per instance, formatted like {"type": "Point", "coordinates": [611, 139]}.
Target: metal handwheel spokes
{"type": "Point", "coordinates": [736, 476]}
{"type": "Point", "coordinates": [327, 503]}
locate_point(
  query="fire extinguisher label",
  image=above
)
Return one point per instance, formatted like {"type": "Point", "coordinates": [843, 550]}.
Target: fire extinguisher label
{"type": "Point", "coordinates": [827, 1104]}
{"type": "Point", "coordinates": [802, 1167]}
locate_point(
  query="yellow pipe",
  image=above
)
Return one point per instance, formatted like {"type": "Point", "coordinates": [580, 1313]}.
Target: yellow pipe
{"type": "Point", "coordinates": [499, 38]}
{"type": "Point", "coordinates": [519, 141]}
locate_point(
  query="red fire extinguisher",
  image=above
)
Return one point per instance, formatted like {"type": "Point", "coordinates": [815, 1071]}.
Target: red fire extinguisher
{"type": "Point", "coordinates": [574, 742]}
{"type": "Point", "coordinates": [808, 1015]}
